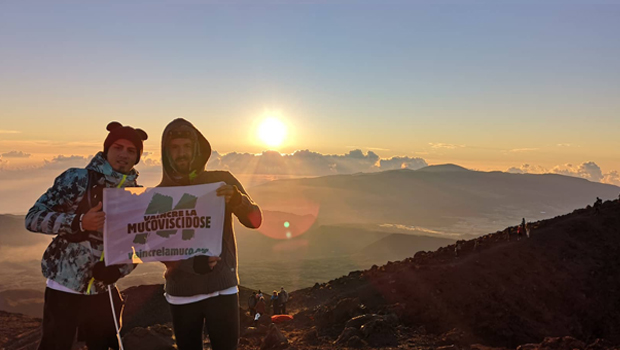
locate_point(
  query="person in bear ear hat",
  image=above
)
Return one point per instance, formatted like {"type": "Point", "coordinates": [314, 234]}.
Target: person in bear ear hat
{"type": "Point", "coordinates": [76, 297]}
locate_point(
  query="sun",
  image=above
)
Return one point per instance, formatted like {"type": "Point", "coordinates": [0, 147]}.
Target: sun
{"type": "Point", "coordinates": [272, 132]}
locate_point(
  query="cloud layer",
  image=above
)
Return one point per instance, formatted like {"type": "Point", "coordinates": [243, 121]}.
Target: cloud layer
{"type": "Point", "coordinates": [15, 154]}
{"type": "Point", "coordinates": [588, 170]}
{"type": "Point", "coordinates": [20, 187]}
{"type": "Point", "coordinates": [308, 163]}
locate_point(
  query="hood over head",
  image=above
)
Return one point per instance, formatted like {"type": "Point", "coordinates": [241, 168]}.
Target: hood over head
{"type": "Point", "coordinates": [181, 128]}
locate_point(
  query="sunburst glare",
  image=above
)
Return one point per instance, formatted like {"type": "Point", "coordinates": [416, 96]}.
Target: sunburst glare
{"type": "Point", "coordinates": [272, 132]}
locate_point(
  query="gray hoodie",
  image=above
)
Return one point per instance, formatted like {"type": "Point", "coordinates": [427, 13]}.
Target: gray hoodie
{"type": "Point", "coordinates": [181, 280]}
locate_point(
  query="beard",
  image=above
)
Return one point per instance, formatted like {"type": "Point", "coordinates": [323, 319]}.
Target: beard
{"type": "Point", "coordinates": [181, 164]}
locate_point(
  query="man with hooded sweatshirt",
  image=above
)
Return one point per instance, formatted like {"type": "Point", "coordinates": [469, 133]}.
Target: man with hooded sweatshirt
{"type": "Point", "coordinates": [202, 291]}
{"type": "Point", "coordinates": [76, 298]}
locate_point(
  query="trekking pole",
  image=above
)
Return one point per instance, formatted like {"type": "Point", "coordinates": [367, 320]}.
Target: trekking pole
{"type": "Point", "coordinates": [118, 332]}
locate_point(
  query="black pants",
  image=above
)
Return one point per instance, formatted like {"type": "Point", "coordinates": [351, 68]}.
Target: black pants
{"type": "Point", "coordinates": [219, 315]}
{"type": "Point", "coordinates": [276, 308]}
{"type": "Point", "coordinates": [283, 309]}
{"type": "Point", "coordinates": [89, 315]}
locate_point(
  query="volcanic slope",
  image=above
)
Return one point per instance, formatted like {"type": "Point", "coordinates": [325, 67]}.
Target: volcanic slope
{"type": "Point", "coordinates": [498, 291]}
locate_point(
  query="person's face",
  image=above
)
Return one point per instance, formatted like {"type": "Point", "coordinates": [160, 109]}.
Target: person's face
{"type": "Point", "coordinates": [181, 153]}
{"type": "Point", "coordinates": [122, 156]}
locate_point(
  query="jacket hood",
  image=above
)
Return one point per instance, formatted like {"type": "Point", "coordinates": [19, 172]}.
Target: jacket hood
{"type": "Point", "coordinates": [202, 152]}
{"type": "Point", "coordinates": [101, 165]}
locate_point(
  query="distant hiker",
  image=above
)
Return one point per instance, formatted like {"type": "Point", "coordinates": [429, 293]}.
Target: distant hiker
{"type": "Point", "coordinates": [283, 298]}
{"type": "Point", "coordinates": [76, 296]}
{"type": "Point", "coordinates": [597, 205]}
{"type": "Point", "coordinates": [528, 227]}
{"type": "Point", "coordinates": [457, 248]}
{"type": "Point", "coordinates": [261, 308]}
{"type": "Point", "coordinates": [275, 303]}
{"type": "Point", "coordinates": [521, 230]}
{"type": "Point", "coordinates": [202, 291]}
{"type": "Point", "coordinates": [252, 300]}
{"type": "Point", "coordinates": [260, 294]}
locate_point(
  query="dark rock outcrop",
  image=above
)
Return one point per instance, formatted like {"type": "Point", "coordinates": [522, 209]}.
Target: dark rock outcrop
{"type": "Point", "coordinates": [274, 340]}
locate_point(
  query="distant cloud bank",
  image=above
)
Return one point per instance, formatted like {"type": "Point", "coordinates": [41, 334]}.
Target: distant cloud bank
{"type": "Point", "coordinates": [310, 163]}
{"type": "Point", "coordinates": [300, 163]}
{"type": "Point", "coordinates": [15, 154]}
{"type": "Point", "coordinates": [445, 146]}
{"type": "Point", "coordinates": [20, 185]}
{"type": "Point", "coordinates": [521, 150]}
{"type": "Point", "coordinates": [24, 184]}
{"type": "Point", "coordinates": [588, 170]}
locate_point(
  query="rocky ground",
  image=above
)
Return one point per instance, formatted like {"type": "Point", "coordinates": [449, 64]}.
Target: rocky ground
{"type": "Point", "coordinates": [557, 289]}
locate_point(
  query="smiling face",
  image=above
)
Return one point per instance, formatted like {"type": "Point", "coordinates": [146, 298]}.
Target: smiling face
{"type": "Point", "coordinates": [181, 153]}
{"type": "Point", "coordinates": [122, 156]}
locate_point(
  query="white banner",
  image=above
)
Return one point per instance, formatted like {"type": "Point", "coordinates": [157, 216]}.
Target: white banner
{"type": "Point", "coordinates": [162, 223]}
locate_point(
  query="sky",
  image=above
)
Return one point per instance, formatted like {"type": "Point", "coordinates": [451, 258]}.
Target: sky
{"type": "Point", "coordinates": [529, 87]}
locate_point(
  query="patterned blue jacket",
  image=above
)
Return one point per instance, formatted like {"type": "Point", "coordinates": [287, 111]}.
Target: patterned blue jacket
{"type": "Point", "coordinates": [69, 260]}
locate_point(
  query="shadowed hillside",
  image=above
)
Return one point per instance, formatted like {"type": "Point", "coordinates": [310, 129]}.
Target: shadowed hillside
{"type": "Point", "coordinates": [561, 281]}
{"type": "Point", "coordinates": [556, 290]}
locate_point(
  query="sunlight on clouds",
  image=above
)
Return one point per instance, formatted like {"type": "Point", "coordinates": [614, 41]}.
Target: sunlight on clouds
{"type": "Point", "coordinates": [21, 185]}
{"type": "Point", "coordinates": [16, 154]}
{"type": "Point", "coordinates": [612, 178]}
{"type": "Point", "coordinates": [520, 150]}
{"type": "Point", "coordinates": [445, 145]}
{"type": "Point", "coordinates": [587, 170]}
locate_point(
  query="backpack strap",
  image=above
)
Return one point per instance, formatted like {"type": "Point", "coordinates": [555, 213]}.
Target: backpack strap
{"type": "Point", "coordinates": [92, 196]}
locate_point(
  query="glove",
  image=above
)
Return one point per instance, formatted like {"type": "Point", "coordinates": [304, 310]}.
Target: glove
{"type": "Point", "coordinates": [202, 263]}
{"type": "Point", "coordinates": [106, 274]}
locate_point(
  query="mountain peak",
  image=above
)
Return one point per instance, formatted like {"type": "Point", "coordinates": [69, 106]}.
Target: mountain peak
{"type": "Point", "coordinates": [443, 168]}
